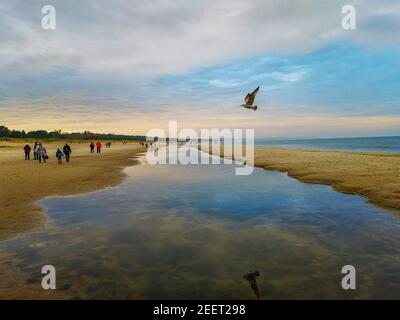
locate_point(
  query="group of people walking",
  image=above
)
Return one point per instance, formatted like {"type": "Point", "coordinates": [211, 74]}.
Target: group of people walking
{"type": "Point", "coordinates": [40, 153]}
{"type": "Point", "coordinates": [66, 152]}
{"type": "Point", "coordinates": [146, 144]}
{"type": "Point", "coordinates": [98, 147]}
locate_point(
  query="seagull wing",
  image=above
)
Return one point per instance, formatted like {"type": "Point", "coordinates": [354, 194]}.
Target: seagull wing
{"type": "Point", "coordinates": [251, 96]}
{"type": "Point", "coordinates": [247, 99]}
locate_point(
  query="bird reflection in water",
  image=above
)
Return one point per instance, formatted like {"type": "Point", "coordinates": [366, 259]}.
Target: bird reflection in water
{"type": "Point", "coordinates": [251, 278]}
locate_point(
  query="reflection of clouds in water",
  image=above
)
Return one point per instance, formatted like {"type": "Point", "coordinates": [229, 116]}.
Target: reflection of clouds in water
{"type": "Point", "coordinates": [160, 256]}
{"type": "Point", "coordinates": [167, 232]}
{"type": "Point", "coordinates": [170, 256]}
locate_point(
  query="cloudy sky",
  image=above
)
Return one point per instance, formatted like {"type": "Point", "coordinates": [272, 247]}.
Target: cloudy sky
{"type": "Point", "coordinates": [129, 66]}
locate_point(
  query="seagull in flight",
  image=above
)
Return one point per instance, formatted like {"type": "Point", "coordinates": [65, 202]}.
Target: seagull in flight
{"type": "Point", "coordinates": [250, 100]}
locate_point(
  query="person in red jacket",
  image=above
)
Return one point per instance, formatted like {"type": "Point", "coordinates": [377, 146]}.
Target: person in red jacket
{"type": "Point", "coordinates": [27, 150]}
{"type": "Point", "coordinates": [98, 146]}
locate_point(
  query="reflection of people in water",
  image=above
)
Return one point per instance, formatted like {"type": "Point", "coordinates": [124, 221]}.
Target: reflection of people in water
{"type": "Point", "coordinates": [251, 277]}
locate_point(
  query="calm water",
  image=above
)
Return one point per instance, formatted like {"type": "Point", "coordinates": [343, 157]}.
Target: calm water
{"type": "Point", "coordinates": [380, 144]}
{"type": "Point", "coordinates": [193, 232]}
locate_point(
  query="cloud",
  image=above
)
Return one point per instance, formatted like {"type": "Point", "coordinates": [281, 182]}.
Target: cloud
{"type": "Point", "coordinates": [111, 63]}
{"type": "Point", "coordinates": [172, 37]}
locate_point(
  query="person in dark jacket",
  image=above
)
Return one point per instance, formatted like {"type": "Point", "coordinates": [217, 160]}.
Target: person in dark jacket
{"type": "Point", "coordinates": [27, 150]}
{"type": "Point", "coordinates": [67, 151]}
{"type": "Point", "coordinates": [35, 151]}
{"type": "Point", "coordinates": [91, 147]}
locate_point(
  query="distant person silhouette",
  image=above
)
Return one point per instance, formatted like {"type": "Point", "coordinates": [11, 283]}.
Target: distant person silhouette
{"type": "Point", "coordinates": [42, 153]}
{"type": "Point", "coordinates": [91, 147]}
{"type": "Point", "coordinates": [98, 146]}
{"type": "Point", "coordinates": [27, 150]}
{"type": "Point", "coordinates": [59, 156]}
{"type": "Point", "coordinates": [67, 151]}
{"type": "Point", "coordinates": [35, 151]}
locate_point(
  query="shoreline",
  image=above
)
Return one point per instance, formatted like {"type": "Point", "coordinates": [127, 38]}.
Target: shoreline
{"type": "Point", "coordinates": [27, 182]}
{"type": "Point", "coordinates": [372, 175]}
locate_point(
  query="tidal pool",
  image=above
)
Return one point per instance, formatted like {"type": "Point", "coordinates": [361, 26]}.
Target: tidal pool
{"type": "Point", "coordinates": [194, 231]}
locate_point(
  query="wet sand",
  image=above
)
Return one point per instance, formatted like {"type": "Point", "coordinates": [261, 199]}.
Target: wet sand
{"type": "Point", "coordinates": [24, 182]}
{"type": "Point", "coordinates": [369, 174]}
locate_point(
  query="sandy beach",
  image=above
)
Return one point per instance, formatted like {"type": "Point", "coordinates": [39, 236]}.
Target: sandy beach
{"type": "Point", "coordinates": [373, 175]}
{"type": "Point", "coordinates": [24, 182]}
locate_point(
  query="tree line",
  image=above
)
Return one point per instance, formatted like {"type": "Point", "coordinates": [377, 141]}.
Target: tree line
{"type": "Point", "coordinates": [57, 134]}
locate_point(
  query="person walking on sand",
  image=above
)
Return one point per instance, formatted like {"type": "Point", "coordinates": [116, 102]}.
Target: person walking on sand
{"type": "Point", "coordinates": [67, 151]}
{"type": "Point", "coordinates": [98, 146]}
{"type": "Point", "coordinates": [42, 153]}
{"type": "Point", "coordinates": [59, 156]}
{"type": "Point", "coordinates": [91, 147]}
{"type": "Point", "coordinates": [35, 151]}
{"type": "Point", "coordinates": [27, 150]}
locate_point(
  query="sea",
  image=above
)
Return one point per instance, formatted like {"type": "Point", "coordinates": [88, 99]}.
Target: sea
{"type": "Point", "coordinates": [364, 144]}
